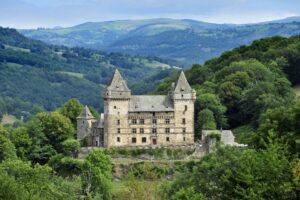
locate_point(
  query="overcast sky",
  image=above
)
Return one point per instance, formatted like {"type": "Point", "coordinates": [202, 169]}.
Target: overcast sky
{"type": "Point", "coordinates": [50, 13]}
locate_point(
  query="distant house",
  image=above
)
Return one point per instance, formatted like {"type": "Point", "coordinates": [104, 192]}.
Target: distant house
{"type": "Point", "coordinates": [140, 120]}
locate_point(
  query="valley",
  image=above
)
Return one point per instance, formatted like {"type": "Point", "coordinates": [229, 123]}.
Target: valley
{"type": "Point", "coordinates": [185, 41]}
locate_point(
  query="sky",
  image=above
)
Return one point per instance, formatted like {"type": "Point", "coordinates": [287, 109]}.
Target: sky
{"type": "Point", "coordinates": [51, 13]}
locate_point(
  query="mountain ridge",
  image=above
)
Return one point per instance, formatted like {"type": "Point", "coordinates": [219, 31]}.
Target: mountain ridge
{"type": "Point", "coordinates": [185, 40]}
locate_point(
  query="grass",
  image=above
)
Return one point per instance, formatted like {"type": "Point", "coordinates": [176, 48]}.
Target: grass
{"type": "Point", "coordinates": [16, 48]}
{"type": "Point", "coordinates": [8, 120]}
{"type": "Point", "coordinates": [136, 189]}
{"type": "Point", "coordinates": [13, 65]}
{"type": "Point", "coordinates": [74, 74]}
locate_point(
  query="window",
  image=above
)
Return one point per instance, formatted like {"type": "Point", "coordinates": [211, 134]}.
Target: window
{"type": "Point", "coordinates": [167, 121]}
{"type": "Point", "coordinates": [185, 107]}
{"type": "Point", "coordinates": [133, 121]}
{"type": "Point", "coordinates": [154, 121]}
{"type": "Point", "coordinates": [144, 139]}
{"type": "Point", "coordinates": [115, 107]}
{"type": "Point", "coordinates": [154, 130]}
{"type": "Point", "coordinates": [141, 130]}
{"type": "Point", "coordinates": [183, 130]}
{"type": "Point", "coordinates": [118, 122]}
{"type": "Point", "coordinates": [142, 121]}
{"type": "Point", "coordinates": [183, 120]}
{"type": "Point", "coordinates": [167, 130]}
{"type": "Point", "coordinates": [183, 138]}
{"type": "Point", "coordinates": [153, 114]}
{"type": "Point", "coordinates": [133, 140]}
{"type": "Point", "coordinates": [118, 139]}
{"type": "Point", "coordinates": [167, 139]}
{"type": "Point", "coordinates": [133, 130]}
{"type": "Point", "coordinates": [119, 130]}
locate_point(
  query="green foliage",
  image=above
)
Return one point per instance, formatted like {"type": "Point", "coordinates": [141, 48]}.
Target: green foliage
{"type": "Point", "coordinates": [97, 175]}
{"type": "Point", "coordinates": [36, 76]}
{"type": "Point", "coordinates": [231, 173]}
{"type": "Point", "coordinates": [48, 132]}
{"type": "Point", "coordinates": [71, 109]}
{"type": "Point", "coordinates": [71, 147]}
{"type": "Point", "coordinates": [157, 153]}
{"type": "Point", "coordinates": [7, 149]}
{"type": "Point", "coordinates": [65, 166]}
{"type": "Point", "coordinates": [206, 120]}
{"type": "Point", "coordinates": [244, 134]}
{"type": "Point", "coordinates": [22, 142]}
{"type": "Point", "coordinates": [282, 123]}
{"type": "Point", "coordinates": [246, 81]}
{"type": "Point", "coordinates": [21, 181]}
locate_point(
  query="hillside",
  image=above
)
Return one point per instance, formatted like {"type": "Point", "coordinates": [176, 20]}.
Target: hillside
{"type": "Point", "coordinates": [187, 41]}
{"type": "Point", "coordinates": [36, 76]}
{"type": "Point", "coordinates": [241, 84]}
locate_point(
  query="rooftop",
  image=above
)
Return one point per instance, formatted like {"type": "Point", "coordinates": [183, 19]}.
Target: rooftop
{"type": "Point", "coordinates": [150, 103]}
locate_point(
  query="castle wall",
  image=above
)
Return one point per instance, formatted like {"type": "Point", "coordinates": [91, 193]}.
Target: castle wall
{"type": "Point", "coordinates": [144, 120]}
{"type": "Point", "coordinates": [184, 120]}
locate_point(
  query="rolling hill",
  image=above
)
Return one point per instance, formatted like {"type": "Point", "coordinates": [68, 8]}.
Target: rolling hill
{"type": "Point", "coordinates": [37, 76]}
{"type": "Point", "coordinates": [187, 41]}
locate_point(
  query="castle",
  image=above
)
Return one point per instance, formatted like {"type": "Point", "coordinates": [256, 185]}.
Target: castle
{"type": "Point", "coordinates": [140, 120]}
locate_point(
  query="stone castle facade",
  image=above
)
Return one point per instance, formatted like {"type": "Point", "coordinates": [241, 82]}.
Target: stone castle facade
{"type": "Point", "coordinates": [140, 120]}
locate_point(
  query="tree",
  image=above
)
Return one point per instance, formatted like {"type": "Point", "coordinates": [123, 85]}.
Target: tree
{"type": "Point", "coordinates": [48, 131]}
{"type": "Point", "coordinates": [70, 147]}
{"type": "Point", "coordinates": [19, 180]}
{"type": "Point", "coordinates": [97, 175]}
{"type": "Point", "coordinates": [71, 109]}
{"type": "Point", "coordinates": [55, 127]}
{"type": "Point", "coordinates": [22, 142]}
{"type": "Point", "coordinates": [7, 149]}
{"type": "Point", "coordinates": [213, 103]}
{"type": "Point", "coordinates": [231, 173]}
{"type": "Point", "coordinates": [206, 120]}
{"type": "Point", "coordinates": [283, 123]}
{"type": "Point", "coordinates": [65, 166]}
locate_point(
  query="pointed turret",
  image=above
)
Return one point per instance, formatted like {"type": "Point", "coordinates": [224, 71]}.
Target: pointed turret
{"type": "Point", "coordinates": [86, 114]}
{"type": "Point", "coordinates": [183, 89]}
{"type": "Point", "coordinates": [84, 123]}
{"type": "Point", "coordinates": [182, 85]}
{"type": "Point", "coordinates": [117, 89]}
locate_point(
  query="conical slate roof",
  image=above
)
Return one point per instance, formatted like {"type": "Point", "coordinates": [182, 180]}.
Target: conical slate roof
{"type": "Point", "coordinates": [182, 85]}
{"type": "Point", "coordinates": [117, 82]}
{"type": "Point", "coordinates": [86, 114]}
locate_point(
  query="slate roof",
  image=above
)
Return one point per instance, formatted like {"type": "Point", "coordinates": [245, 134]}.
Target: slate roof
{"type": "Point", "coordinates": [182, 85]}
{"type": "Point", "coordinates": [117, 82]}
{"type": "Point", "coordinates": [150, 103]}
{"type": "Point", "coordinates": [86, 114]}
{"type": "Point", "coordinates": [99, 123]}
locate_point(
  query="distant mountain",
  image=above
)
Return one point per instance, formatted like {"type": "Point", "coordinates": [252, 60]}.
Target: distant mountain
{"type": "Point", "coordinates": [187, 41]}
{"type": "Point", "coordinates": [37, 76]}
{"type": "Point", "coordinates": [285, 20]}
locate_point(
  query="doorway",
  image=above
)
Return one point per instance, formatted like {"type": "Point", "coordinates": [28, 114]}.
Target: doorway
{"type": "Point", "coordinates": [154, 141]}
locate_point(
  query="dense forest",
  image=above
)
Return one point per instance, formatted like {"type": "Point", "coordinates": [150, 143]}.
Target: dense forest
{"type": "Point", "coordinates": [248, 89]}
{"type": "Point", "coordinates": [36, 76]}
